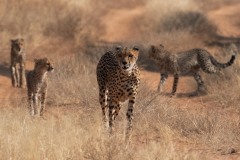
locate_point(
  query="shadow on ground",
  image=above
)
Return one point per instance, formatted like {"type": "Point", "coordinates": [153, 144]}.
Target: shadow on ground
{"type": "Point", "coordinates": [221, 41]}
{"type": "Point", "coordinates": [143, 61]}
{"type": "Point", "coordinates": [5, 71]}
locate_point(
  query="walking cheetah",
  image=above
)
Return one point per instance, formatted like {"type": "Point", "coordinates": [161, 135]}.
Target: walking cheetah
{"type": "Point", "coordinates": [37, 85]}
{"type": "Point", "coordinates": [187, 63]}
{"type": "Point", "coordinates": [118, 80]}
{"type": "Point", "coordinates": [18, 56]}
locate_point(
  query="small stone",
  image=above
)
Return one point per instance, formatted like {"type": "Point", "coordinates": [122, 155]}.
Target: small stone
{"type": "Point", "coordinates": [228, 151]}
{"type": "Point", "coordinates": [231, 151]}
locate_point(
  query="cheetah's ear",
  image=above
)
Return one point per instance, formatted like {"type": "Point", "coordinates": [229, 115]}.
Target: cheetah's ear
{"type": "Point", "coordinates": [12, 41]}
{"type": "Point", "coordinates": [45, 59]}
{"type": "Point", "coordinates": [161, 46]}
{"type": "Point", "coordinates": [135, 51]}
{"type": "Point", "coordinates": [36, 60]}
{"type": "Point", "coordinates": [118, 49]}
{"type": "Point", "coordinates": [135, 48]}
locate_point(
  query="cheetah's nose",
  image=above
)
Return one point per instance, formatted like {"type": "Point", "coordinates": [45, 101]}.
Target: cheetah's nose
{"type": "Point", "coordinates": [124, 62]}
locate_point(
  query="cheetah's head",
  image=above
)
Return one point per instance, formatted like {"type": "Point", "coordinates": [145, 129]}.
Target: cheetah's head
{"type": "Point", "coordinates": [154, 51]}
{"type": "Point", "coordinates": [43, 65]}
{"type": "Point", "coordinates": [126, 57]}
{"type": "Point", "coordinates": [17, 44]}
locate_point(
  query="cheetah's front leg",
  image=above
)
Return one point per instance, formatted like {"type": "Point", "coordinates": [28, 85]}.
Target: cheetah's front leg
{"type": "Point", "coordinates": [163, 78]}
{"type": "Point", "coordinates": [129, 114]}
{"type": "Point", "coordinates": [35, 103]}
{"type": "Point", "coordinates": [114, 108]}
{"type": "Point", "coordinates": [14, 75]}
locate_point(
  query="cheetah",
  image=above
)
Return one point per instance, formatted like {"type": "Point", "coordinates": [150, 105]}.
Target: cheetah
{"type": "Point", "coordinates": [118, 79]}
{"type": "Point", "coordinates": [18, 57]}
{"type": "Point", "coordinates": [37, 85]}
{"type": "Point", "coordinates": [187, 63]}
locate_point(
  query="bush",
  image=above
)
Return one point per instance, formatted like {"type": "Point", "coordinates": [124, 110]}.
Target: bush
{"type": "Point", "coordinates": [194, 22]}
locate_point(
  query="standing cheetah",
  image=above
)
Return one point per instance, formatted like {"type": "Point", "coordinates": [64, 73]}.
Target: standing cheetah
{"type": "Point", "coordinates": [118, 80]}
{"type": "Point", "coordinates": [37, 85]}
{"type": "Point", "coordinates": [18, 56]}
{"type": "Point", "coordinates": [188, 63]}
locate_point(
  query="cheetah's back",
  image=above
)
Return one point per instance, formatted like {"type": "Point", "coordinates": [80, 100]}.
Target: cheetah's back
{"type": "Point", "coordinates": [107, 67]}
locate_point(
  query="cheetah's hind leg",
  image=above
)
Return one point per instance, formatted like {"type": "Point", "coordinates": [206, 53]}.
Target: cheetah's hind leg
{"type": "Point", "coordinates": [201, 90]}
{"type": "Point", "coordinates": [30, 101]}
{"type": "Point", "coordinates": [42, 103]}
{"type": "Point", "coordinates": [104, 102]}
{"type": "Point", "coordinates": [175, 84]}
{"type": "Point", "coordinates": [22, 76]}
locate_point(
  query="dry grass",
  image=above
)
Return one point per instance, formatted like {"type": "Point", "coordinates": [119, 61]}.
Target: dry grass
{"type": "Point", "coordinates": [78, 133]}
{"type": "Point", "coordinates": [192, 21]}
{"type": "Point", "coordinates": [159, 124]}
{"type": "Point", "coordinates": [72, 127]}
{"type": "Point", "coordinates": [71, 130]}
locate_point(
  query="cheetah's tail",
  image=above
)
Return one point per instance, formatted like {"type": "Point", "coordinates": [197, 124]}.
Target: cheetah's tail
{"type": "Point", "coordinates": [230, 62]}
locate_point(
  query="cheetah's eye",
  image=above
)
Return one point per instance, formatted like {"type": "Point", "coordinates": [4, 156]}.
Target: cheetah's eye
{"type": "Point", "coordinates": [130, 55]}
{"type": "Point", "coordinates": [119, 55]}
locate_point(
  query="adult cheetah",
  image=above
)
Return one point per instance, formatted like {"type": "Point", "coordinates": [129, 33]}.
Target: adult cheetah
{"type": "Point", "coordinates": [37, 85]}
{"type": "Point", "coordinates": [18, 57]}
{"type": "Point", "coordinates": [118, 79]}
{"type": "Point", "coordinates": [187, 63]}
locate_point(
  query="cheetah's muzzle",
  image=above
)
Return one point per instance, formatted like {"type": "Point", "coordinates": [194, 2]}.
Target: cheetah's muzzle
{"type": "Point", "coordinates": [50, 69]}
{"type": "Point", "coordinates": [125, 67]}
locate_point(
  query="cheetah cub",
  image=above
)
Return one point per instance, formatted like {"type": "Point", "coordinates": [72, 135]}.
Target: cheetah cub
{"type": "Point", "coordinates": [187, 63]}
{"type": "Point", "coordinates": [18, 57]}
{"type": "Point", "coordinates": [37, 85]}
{"type": "Point", "coordinates": [118, 80]}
